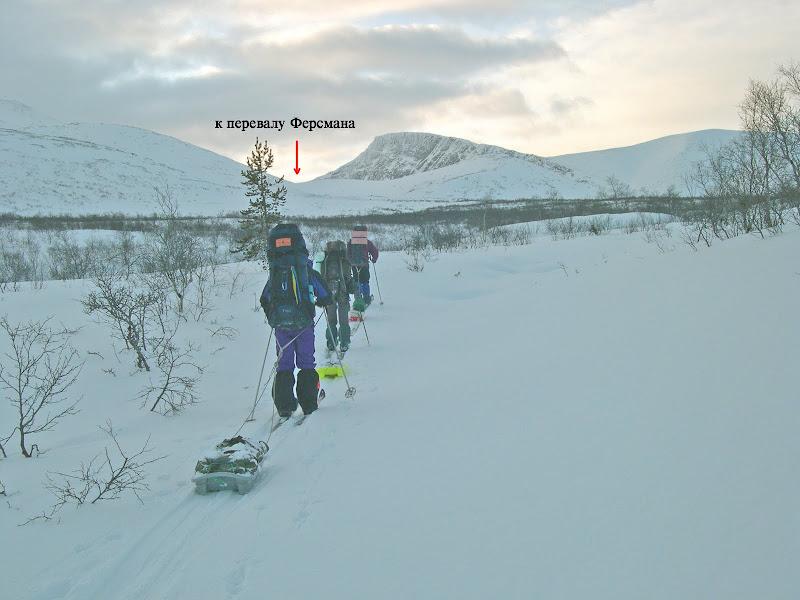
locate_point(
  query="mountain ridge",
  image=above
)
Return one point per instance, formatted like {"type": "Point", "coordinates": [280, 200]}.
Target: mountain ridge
{"type": "Point", "coordinates": [51, 167]}
{"type": "Point", "coordinates": [418, 151]}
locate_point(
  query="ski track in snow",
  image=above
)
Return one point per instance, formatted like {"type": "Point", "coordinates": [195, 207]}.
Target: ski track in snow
{"type": "Point", "coordinates": [577, 419]}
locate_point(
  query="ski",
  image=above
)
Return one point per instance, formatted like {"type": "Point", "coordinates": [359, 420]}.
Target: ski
{"type": "Point", "coordinates": [279, 422]}
{"type": "Point", "coordinates": [302, 418]}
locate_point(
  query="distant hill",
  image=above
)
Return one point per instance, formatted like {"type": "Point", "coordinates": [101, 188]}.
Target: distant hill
{"type": "Point", "coordinates": [47, 166]}
{"type": "Point", "coordinates": [654, 165]}
{"type": "Point", "coordinates": [52, 167]}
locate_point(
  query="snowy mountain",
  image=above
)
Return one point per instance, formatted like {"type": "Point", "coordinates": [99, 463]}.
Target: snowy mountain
{"type": "Point", "coordinates": [396, 155]}
{"type": "Point", "coordinates": [15, 115]}
{"type": "Point", "coordinates": [427, 166]}
{"type": "Point", "coordinates": [654, 165]}
{"type": "Point", "coordinates": [51, 167]}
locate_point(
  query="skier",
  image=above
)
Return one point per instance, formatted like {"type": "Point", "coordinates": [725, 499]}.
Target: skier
{"type": "Point", "coordinates": [336, 271]}
{"type": "Point", "coordinates": [288, 300]}
{"type": "Point", "coordinates": [361, 251]}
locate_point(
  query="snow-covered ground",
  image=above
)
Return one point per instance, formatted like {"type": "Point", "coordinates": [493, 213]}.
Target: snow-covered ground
{"type": "Point", "coordinates": [592, 418]}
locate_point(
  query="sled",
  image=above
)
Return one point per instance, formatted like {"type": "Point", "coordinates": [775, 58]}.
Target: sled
{"type": "Point", "coordinates": [234, 464]}
{"type": "Point", "coordinates": [331, 371]}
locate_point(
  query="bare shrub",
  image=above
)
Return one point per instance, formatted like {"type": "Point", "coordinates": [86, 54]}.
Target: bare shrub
{"type": "Point", "coordinates": [128, 309]}
{"type": "Point", "coordinates": [36, 375]}
{"type": "Point", "coordinates": [237, 283]}
{"type": "Point", "coordinates": [615, 189]}
{"type": "Point", "coordinates": [442, 238]}
{"type": "Point", "coordinates": [174, 390]}
{"type": "Point", "coordinates": [125, 252]}
{"type": "Point", "coordinates": [521, 236]}
{"type": "Point", "coordinates": [19, 262]}
{"type": "Point", "coordinates": [551, 227]}
{"type": "Point", "coordinates": [417, 249]}
{"type": "Point", "coordinates": [171, 250]}
{"type": "Point", "coordinates": [566, 229]}
{"type": "Point", "coordinates": [415, 260]}
{"type": "Point", "coordinates": [223, 331]}
{"type": "Point", "coordinates": [751, 183]}
{"type": "Point", "coordinates": [316, 239]}
{"type": "Point", "coordinates": [205, 277]}
{"type": "Point", "coordinates": [71, 260]}
{"type": "Point", "coordinates": [107, 476]}
{"type": "Point", "coordinates": [599, 225]}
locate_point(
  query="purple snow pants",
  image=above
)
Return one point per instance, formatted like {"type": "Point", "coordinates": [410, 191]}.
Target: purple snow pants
{"type": "Point", "coordinates": [301, 350]}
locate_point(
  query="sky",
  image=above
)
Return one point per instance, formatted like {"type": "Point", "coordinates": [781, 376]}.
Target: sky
{"type": "Point", "coordinates": [546, 77]}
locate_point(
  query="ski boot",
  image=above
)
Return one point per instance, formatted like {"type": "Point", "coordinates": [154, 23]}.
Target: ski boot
{"type": "Point", "coordinates": [283, 393]}
{"type": "Point", "coordinates": [308, 390]}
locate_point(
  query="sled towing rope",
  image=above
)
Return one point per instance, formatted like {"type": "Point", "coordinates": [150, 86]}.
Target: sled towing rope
{"type": "Point", "coordinates": [235, 463]}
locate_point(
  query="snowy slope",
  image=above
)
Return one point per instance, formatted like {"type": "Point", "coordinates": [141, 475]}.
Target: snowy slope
{"type": "Point", "coordinates": [580, 419]}
{"type": "Point", "coordinates": [485, 177]}
{"type": "Point", "coordinates": [427, 166]}
{"type": "Point", "coordinates": [52, 167]}
{"type": "Point", "coordinates": [48, 166]}
{"type": "Point", "coordinates": [653, 165]}
{"type": "Point", "coordinates": [423, 166]}
{"type": "Point", "coordinates": [396, 155]}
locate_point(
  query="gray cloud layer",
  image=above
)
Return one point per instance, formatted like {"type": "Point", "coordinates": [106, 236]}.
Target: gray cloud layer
{"type": "Point", "coordinates": [176, 66]}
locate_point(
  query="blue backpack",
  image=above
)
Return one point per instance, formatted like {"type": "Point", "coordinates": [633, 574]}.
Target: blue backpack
{"type": "Point", "coordinates": [291, 293]}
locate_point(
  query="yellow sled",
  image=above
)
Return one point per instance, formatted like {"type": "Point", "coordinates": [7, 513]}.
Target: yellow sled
{"type": "Point", "coordinates": [330, 371]}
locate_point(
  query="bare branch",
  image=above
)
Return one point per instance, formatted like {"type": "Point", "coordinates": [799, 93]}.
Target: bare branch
{"type": "Point", "coordinates": [107, 476]}
{"type": "Point", "coordinates": [40, 368]}
{"type": "Point", "coordinates": [175, 389]}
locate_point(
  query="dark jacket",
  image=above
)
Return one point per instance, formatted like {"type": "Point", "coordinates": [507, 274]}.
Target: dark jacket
{"type": "Point", "coordinates": [321, 291]}
{"type": "Point", "coordinates": [372, 250]}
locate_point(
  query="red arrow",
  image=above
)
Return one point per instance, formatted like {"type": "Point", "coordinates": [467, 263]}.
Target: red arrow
{"type": "Point", "coordinates": [297, 157]}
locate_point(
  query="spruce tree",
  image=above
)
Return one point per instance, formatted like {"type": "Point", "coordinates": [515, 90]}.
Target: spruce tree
{"type": "Point", "coordinates": [266, 199]}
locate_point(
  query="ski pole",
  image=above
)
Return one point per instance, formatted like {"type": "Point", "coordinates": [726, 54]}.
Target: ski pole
{"type": "Point", "coordinates": [260, 376]}
{"type": "Point", "coordinates": [351, 391]}
{"type": "Point", "coordinates": [364, 325]}
{"type": "Point", "coordinates": [280, 351]}
{"type": "Point", "coordinates": [377, 282]}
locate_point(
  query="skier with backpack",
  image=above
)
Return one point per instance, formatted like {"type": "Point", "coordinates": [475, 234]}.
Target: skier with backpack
{"type": "Point", "coordinates": [336, 271]}
{"type": "Point", "coordinates": [288, 300]}
{"type": "Point", "coordinates": [361, 251]}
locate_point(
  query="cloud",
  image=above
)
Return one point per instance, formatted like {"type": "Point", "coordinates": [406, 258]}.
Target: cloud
{"type": "Point", "coordinates": [172, 73]}
{"type": "Point", "coordinates": [415, 51]}
{"type": "Point", "coordinates": [661, 67]}
{"type": "Point", "coordinates": [560, 106]}
{"type": "Point", "coordinates": [543, 77]}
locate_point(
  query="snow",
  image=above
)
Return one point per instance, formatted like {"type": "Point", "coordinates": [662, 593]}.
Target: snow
{"type": "Point", "coordinates": [83, 168]}
{"type": "Point", "coordinates": [655, 165]}
{"type": "Point", "coordinates": [478, 178]}
{"type": "Point", "coordinates": [590, 418]}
